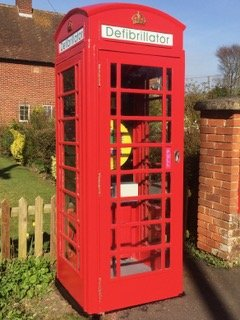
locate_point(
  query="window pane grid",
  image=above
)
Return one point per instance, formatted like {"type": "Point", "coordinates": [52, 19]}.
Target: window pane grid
{"type": "Point", "coordinates": [140, 100]}
{"type": "Point", "coordinates": [24, 112]}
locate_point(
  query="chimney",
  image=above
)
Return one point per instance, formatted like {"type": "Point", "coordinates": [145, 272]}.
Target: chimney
{"type": "Point", "coordinates": [24, 7]}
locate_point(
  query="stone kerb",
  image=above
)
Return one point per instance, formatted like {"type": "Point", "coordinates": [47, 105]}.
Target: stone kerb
{"type": "Point", "coordinates": [218, 201]}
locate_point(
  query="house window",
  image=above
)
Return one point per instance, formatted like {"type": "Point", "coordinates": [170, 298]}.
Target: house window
{"type": "Point", "coordinates": [48, 110]}
{"type": "Point", "coordinates": [24, 113]}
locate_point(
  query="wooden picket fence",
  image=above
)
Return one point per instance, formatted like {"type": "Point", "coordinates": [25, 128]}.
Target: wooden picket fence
{"type": "Point", "coordinates": [22, 212]}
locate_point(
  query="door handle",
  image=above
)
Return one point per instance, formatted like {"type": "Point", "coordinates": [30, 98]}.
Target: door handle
{"type": "Point", "coordinates": [177, 156]}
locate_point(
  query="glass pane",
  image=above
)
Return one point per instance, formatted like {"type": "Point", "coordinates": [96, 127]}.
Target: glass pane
{"type": "Point", "coordinates": [113, 242]}
{"type": "Point", "coordinates": [70, 180]}
{"type": "Point", "coordinates": [155, 131]}
{"type": "Point", "coordinates": [70, 204]}
{"type": "Point", "coordinates": [140, 235]}
{"type": "Point", "coordinates": [168, 131]}
{"type": "Point", "coordinates": [167, 233]}
{"type": "Point", "coordinates": [69, 106]}
{"type": "Point", "coordinates": [23, 113]}
{"type": "Point", "coordinates": [125, 138]}
{"type": "Point", "coordinates": [113, 75]}
{"type": "Point", "coordinates": [125, 133]}
{"type": "Point", "coordinates": [70, 253]}
{"type": "Point", "coordinates": [169, 79]}
{"type": "Point", "coordinates": [167, 258]}
{"type": "Point", "coordinates": [140, 184]}
{"type": "Point", "coordinates": [135, 104]}
{"type": "Point", "coordinates": [169, 106]}
{"type": "Point", "coordinates": [69, 130]}
{"type": "Point", "coordinates": [113, 158]}
{"type": "Point", "coordinates": [68, 80]}
{"type": "Point", "coordinates": [155, 180]}
{"type": "Point", "coordinates": [113, 212]}
{"type": "Point", "coordinates": [154, 207]}
{"type": "Point", "coordinates": [113, 186]}
{"type": "Point", "coordinates": [113, 267]}
{"type": "Point", "coordinates": [155, 157]}
{"type": "Point", "coordinates": [168, 208]}
{"type": "Point", "coordinates": [113, 131]}
{"type": "Point", "coordinates": [70, 229]}
{"type": "Point", "coordinates": [149, 210]}
{"type": "Point", "coordinates": [149, 183]}
{"type": "Point", "coordinates": [143, 131]}
{"type": "Point", "coordinates": [154, 232]}
{"type": "Point", "coordinates": [70, 156]}
{"type": "Point", "coordinates": [141, 77]}
{"type": "Point", "coordinates": [113, 103]}
{"type": "Point", "coordinates": [168, 182]}
{"type": "Point", "coordinates": [145, 262]}
{"type": "Point", "coordinates": [139, 158]}
{"type": "Point", "coordinates": [125, 160]}
{"type": "Point", "coordinates": [128, 187]}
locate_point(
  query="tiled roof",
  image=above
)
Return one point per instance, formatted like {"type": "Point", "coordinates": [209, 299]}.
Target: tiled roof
{"type": "Point", "coordinates": [27, 39]}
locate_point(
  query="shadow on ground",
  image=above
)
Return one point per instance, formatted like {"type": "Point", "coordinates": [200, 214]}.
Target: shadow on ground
{"type": "Point", "coordinates": [5, 172]}
{"type": "Point", "coordinates": [212, 285]}
{"type": "Point", "coordinates": [209, 294]}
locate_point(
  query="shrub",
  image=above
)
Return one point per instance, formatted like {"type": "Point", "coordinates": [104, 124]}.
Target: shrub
{"type": "Point", "coordinates": [53, 167]}
{"type": "Point", "coordinates": [217, 92]}
{"type": "Point", "coordinates": [39, 120]}
{"type": "Point", "coordinates": [6, 139]}
{"type": "Point", "coordinates": [39, 147]}
{"type": "Point", "coordinates": [18, 145]}
{"type": "Point", "coordinates": [191, 120]}
{"type": "Point", "coordinates": [45, 145]}
{"type": "Point", "coordinates": [21, 279]}
{"type": "Point", "coordinates": [191, 149]}
{"type": "Point", "coordinates": [39, 141]}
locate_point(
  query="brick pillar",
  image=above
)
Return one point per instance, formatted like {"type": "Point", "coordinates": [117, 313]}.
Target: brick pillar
{"type": "Point", "coordinates": [218, 203]}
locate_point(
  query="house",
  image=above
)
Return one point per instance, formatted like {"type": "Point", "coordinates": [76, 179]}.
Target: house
{"type": "Point", "coordinates": [27, 57]}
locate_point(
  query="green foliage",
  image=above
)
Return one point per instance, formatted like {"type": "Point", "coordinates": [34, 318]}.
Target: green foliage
{"type": "Point", "coordinates": [39, 148]}
{"type": "Point", "coordinates": [31, 144]}
{"type": "Point", "coordinates": [53, 167]}
{"type": "Point", "coordinates": [39, 119]}
{"type": "Point", "coordinates": [193, 94]}
{"type": "Point", "coordinates": [40, 141]}
{"type": "Point", "coordinates": [21, 279]}
{"type": "Point", "coordinates": [6, 139]}
{"type": "Point", "coordinates": [204, 256]}
{"type": "Point", "coordinates": [218, 92]}
{"type": "Point", "coordinates": [191, 119]}
{"type": "Point", "coordinates": [18, 145]}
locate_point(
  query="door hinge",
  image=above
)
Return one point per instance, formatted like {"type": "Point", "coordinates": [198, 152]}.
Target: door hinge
{"type": "Point", "coordinates": [99, 75]}
{"type": "Point", "coordinates": [99, 182]}
{"type": "Point", "coordinates": [99, 289]}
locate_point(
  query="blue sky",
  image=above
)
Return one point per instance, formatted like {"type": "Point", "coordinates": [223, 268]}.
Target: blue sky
{"type": "Point", "coordinates": [209, 25]}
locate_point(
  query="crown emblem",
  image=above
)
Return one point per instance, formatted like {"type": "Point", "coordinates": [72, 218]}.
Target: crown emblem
{"type": "Point", "coordinates": [69, 26]}
{"type": "Point", "coordinates": [138, 18]}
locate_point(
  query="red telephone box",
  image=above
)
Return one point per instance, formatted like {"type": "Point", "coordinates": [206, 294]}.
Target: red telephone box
{"type": "Point", "coordinates": [120, 97]}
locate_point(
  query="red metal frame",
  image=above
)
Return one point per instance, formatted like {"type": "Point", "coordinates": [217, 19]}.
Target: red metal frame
{"type": "Point", "coordinates": [119, 225]}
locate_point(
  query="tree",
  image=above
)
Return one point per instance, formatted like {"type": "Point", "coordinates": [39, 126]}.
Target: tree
{"type": "Point", "coordinates": [229, 65]}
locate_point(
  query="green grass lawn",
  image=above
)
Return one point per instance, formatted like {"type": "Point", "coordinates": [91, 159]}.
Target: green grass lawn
{"type": "Point", "coordinates": [17, 181]}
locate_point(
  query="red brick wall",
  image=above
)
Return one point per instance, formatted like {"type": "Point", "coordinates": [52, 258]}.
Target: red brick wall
{"type": "Point", "coordinates": [218, 212]}
{"type": "Point", "coordinates": [24, 84]}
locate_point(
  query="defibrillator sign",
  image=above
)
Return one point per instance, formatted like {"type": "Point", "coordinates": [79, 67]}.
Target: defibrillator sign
{"type": "Point", "coordinates": [135, 35]}
{"type": "Point", "coordinates": [71, 40]}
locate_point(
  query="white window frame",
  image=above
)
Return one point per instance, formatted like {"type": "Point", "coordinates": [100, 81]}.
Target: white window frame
{"type": "Point", "coordinates": [26, 118]}
{"type": "Point", "coordinates": [46, 108]}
